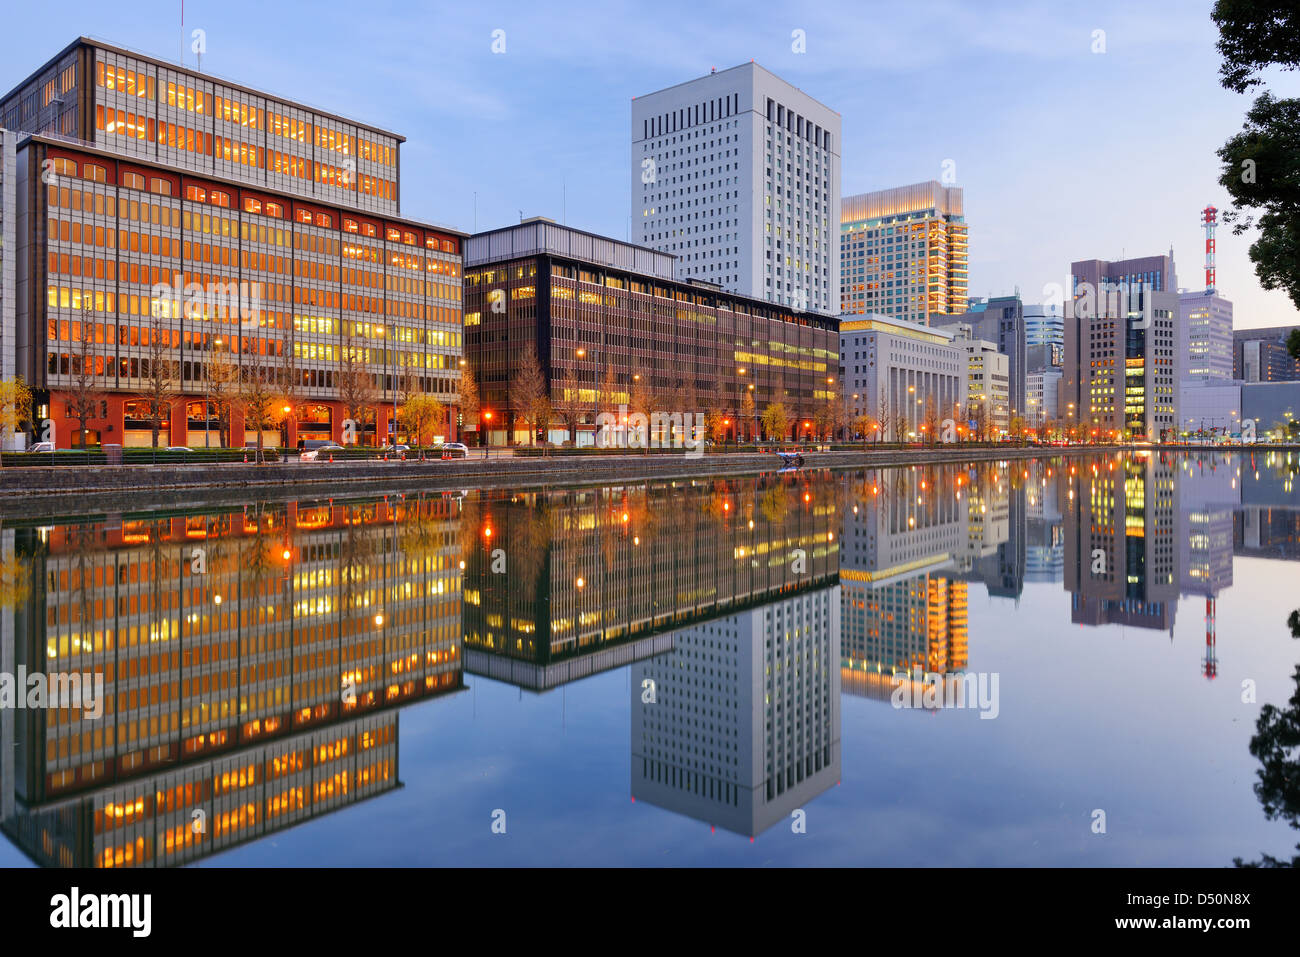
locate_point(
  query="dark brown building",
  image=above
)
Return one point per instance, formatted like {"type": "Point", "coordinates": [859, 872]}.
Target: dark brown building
{"type": "Point", "coordinates": [611, 314]}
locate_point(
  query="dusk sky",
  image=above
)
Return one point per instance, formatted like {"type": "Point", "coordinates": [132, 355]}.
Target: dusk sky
{"type": "Point", "coordinates": [1063, 153]}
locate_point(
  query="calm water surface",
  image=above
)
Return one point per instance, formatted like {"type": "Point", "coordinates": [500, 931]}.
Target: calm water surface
{"type": "Point", "coordinates": [717, 672]}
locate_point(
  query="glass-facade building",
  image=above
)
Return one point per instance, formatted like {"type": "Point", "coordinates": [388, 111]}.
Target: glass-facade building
{"type": "Point", "coordinates": [611, 314]}
{"type": "Point", "coordinates": [174, 227]}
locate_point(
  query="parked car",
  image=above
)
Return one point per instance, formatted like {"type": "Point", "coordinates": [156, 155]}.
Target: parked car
{"type": "Point", "coordinates": [321, 453]}
{"type": "Point", "coordinates": [454, 450]}
{"type": "Point", "coordinates": [396, 451]}
{"type": "Point", "coordinates": [179, 448]}
{"type": "Point", "coordinates": [42, 447]}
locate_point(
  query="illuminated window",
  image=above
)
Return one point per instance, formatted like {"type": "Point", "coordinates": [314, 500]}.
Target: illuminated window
{"type": "Point", "coordinates": [408, 238]}
{"type": "Point", "coordinates": [368, 229]}
{"type": "Point", "coordinates": [160, 186]}
{"type": "Point", "coordinates": [252, 205]}
{"type": "Point", "coordinates": [324, 220]}
{"type": "Point", "coordinates": [94, 173]}
{"type": "Point", "coordinates": [196, 193]}
{"type": "Point", "coordinates": [394, 235]}
{"type": "Point", "coordinates": [350, 225]}
{"type": "Point", "coordinates": [275, 209]}
{"type": "Point", "coordinates": [218, 198]}
{"type": "Point", "coordinates": [303, 215]}
{"type": "Point", "coordinates": [133, 181]}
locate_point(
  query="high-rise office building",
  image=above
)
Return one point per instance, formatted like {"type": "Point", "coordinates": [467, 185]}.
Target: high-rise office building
{"type": "Point", "coordinates": [1260, 355]}
{"type": "Point", "coordinates": [8, 246]}
{"type": "Point", "coordinates": [737, 174]}
{"type": "Point", "coordinates": [178, 228]}
{"type": "Point", "coordinates": [1121, 368]}
{"type": "Point", "coordinates": [903, 252]}
{"type": "Point", "coordinates": [1044, 325]}
{"type": "Point", "coordinates": [1000, 320]}
{"type": "Point", "coordinates": [1205, 335]}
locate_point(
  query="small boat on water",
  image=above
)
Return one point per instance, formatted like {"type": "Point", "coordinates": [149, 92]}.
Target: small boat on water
{"type": "Point", "coordinates": [791, 460]}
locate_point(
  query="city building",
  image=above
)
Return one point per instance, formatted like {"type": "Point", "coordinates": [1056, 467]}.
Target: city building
{"type": "Point", "coordinates": [1122, 366]}
{"type": "Point", "coordinates": [8, 262]}
{"type": "Point", "coordinates": [987, 401]}
{"type": "Point", "coordinates": [907, 377]}
{"type": "Point", "coordinates": [1000, 320]}
{"type": "Point", "coordinates": [611, 327]}
{"type": "Point", "coordinates": [1044, 326]}
{"type": "Point", "coordinates": [903, 252]}
{"type": "Point", "coordinates": [1205, 335]}
{"type": "Point", "coordinates": [187, 237]}
{"type": "Point", "coordinates": [1042, 389]}
{"type": "Point", "coordinates": [737, 175]}
{"type": "Point", "coordinates": [739, 724]}
{"type": "Point", "coordinates": [1260, 355]}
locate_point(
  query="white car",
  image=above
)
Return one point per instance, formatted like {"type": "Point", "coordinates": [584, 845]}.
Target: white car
{"type": "Point", "coordinates": [42, 447]}
{"type": "Point", "coordinates": [454, 450]}
{"type": "Point", "coordinates": [321, 454]}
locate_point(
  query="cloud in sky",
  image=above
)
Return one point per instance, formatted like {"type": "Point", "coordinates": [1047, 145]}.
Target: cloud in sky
{"type": "Point", "coordinates": [1064, 153]}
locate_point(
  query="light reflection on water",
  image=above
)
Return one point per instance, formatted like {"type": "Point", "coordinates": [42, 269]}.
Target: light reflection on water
{"type": "Point", "coordinates": [688, 673]}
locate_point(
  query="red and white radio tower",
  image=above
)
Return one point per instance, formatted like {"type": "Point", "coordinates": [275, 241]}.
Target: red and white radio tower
{"type": "Point", "coordinates": [1209, 219]}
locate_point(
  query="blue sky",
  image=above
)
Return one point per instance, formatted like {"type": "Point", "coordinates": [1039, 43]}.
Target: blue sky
{"type": "Point", "coordinates": [1064, 153]}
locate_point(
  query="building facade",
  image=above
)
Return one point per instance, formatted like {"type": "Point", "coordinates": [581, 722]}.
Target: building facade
{"type": "Point", "coordinates": [988, 378]}
{"type": "Point", "coordinates": [903, 252]}
{"type": "Point", "coordinates": [1122, 366]}
{"type": "Point", "coordinates": [1260, 355]}
{"type": "Point", "coordinates": [1001, 321]}
{"type": "Point", "coordinates": [737, 174]}
{"type": "Point", "coordinates": [1044, 325]}
{"type": "Point", "coordinates": [611, 327]}
{"type": "Point", "coordinates": [188, 237]}
{"type": "Point", "coordinates": [1205, 335]}
{"type": "Point", "coordinates": [908, 378]}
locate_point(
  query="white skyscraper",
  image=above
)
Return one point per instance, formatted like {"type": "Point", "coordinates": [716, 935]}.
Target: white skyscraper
{"type": "Point", "coordinates": [738, 175]}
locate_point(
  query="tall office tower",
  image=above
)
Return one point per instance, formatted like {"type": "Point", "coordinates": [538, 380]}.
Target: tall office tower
{"type": "Point", "coordinates": [1205, 335]}
{"type": "Point", "coordinates": [737, 174]}
{"type": "Point", "coordinates": [1121, 553]}
{"type": "Point", "coordinates": [190, 232]}
{"type": "Point", "coordinates": [739, 724]}
{"type": "Point", "coordinates": [1121, 369]}
{"type": "Point", "coordinates": [1260, 355]}
{"type": "Point", "coordinates": [8, 245]}
{"type": "Point", "coordinates": [1044, 325]}
{"type": "Point", "coordinates": [1000, 320]}
{"type": "Point", "coordinates": [903, 252]}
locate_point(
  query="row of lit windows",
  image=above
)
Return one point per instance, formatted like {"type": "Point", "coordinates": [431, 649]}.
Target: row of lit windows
{"type": "Point", "coordinates": [194, 100]}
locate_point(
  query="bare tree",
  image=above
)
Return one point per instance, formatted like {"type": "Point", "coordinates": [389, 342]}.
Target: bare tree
{"type": "Point", "coordinates": [748, 411]}
{"type": "Point", "coordinates": [160, 380]}
{"type": "Point", "coordinates": [221, 387]}
{"type": "Point", "coordinates": [258, 395]}
{"type": "Point", "coordinates": [883, 418]}
{"type": "Point", "coordinates": [355, 384]}
{"type": "Point", "coordinates": [527, 391]}
{"type": "Point", "coordinates": [930, 420]}
{"type": "Point", "coordinates": [469, 400]}
{"type": "Point", "coordinates": [85, 397]}
{"type": "Point", "coordinates": [569, 403]}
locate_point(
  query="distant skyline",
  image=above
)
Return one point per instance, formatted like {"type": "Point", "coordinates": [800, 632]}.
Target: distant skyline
{"type": "Point", "coordinates": [1063, 154]}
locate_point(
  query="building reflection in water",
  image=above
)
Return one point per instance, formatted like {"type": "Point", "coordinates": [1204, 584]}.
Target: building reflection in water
{"type": "Point", "coordinates": [563, 584]}
{"type": "Point", "coordinates": [739, 724]}
{"type": "Point", "coordinates": [251, 660]}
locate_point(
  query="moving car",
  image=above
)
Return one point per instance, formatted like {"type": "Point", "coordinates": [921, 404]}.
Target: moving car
{"type": "Point", "coordinates": [396, 451]}
{"type": "Point", "coordinates": [179, 448]}
{"type": "Point", "coordinates": [454, 450]}
{"type": "Point", "coordinates": [42, 447]}
{"type": "Point", "coordinates": [321, 453]}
